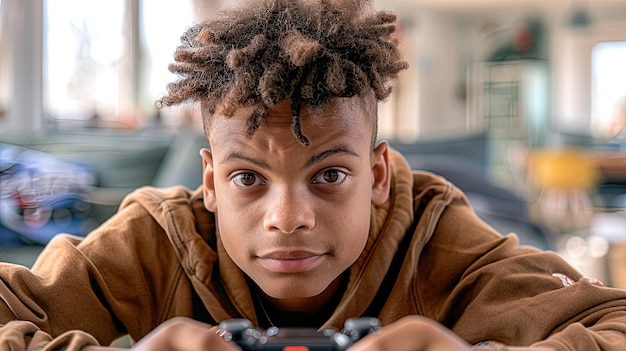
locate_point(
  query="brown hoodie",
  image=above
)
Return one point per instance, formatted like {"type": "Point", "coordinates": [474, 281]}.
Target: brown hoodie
{"type": "Point", "coordinates": [428, 254]}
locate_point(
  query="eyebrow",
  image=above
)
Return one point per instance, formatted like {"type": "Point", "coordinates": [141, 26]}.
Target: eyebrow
{"type": "Point", "coordinates": [239, 156]}
{"type": "Point", "coordinates": [324, 154]}
{"type": "Point", "coordinates": [311, 161]}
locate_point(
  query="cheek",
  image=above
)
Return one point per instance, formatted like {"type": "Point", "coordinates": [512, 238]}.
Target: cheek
{"type": "Point", "coordinates": [235, 239]}
{"type": "Point", "coordinates": [234, 223]}
{"type": "Point", "coordinates": [352, 228]}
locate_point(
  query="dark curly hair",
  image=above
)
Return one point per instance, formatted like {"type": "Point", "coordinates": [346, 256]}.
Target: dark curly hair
{"type": "Point", "coordinates": [309, 51]}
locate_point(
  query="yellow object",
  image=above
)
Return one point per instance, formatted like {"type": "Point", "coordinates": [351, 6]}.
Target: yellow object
{"type": "Point", "coordinates": [563, 169]}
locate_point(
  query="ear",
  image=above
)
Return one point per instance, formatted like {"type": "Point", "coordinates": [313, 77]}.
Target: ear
{"type": "Point", "coordinates": [208, 181]}
{"type": "Point", "coordinates": [381, 177]}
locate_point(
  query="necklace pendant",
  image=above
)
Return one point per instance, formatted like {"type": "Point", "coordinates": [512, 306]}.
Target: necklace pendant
{"type": "Point", "coordinates": [272, 331]}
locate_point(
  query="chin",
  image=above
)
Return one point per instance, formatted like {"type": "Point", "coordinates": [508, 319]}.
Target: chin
{"type": "Point", "coordinates": [292, 291]}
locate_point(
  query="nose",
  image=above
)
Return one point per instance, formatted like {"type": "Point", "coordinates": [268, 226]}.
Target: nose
{"type": "Point", "coordinates": [289, 210]}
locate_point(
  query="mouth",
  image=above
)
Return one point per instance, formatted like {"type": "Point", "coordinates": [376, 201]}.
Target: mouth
{"type": "Point", "coordinates": [291, 261]}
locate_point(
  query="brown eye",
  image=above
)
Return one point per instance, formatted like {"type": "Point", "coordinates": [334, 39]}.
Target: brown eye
{"type": "Point", "coordinates": [246, 179]}
{"type": "Point", "coordinates": [331, 176]}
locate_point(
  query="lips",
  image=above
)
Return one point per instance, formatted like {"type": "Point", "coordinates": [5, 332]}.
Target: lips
{"type": "Point", "coordinates": [291, 261]}
{"type": "Point", "coordinates": [289, 255]}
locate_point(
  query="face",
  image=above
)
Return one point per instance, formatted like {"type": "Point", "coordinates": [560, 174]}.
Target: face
{"type": "Point", "coordinates": [295, 217]}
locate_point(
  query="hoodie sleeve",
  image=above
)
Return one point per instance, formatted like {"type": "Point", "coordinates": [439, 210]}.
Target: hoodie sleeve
{"type": "Point", "coordinates": [22, 335]}
{"type": "Point", "coordinates": [120, 279]}
{"type": "Point", "coordinates": [63, 292]}
{"type": "Point", "coordinates": [486, 287]}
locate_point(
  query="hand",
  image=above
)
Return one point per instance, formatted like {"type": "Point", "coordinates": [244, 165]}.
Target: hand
{"type": "Point", "coordinates": [178, 334]}
{"type": "Point", "coordinates": [416, 333]}
{"type": "Point", "coordinates": [412, 333]}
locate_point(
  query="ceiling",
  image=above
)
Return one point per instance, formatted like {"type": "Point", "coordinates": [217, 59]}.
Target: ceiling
{"type": "Point", "coordinates": [482, 5]}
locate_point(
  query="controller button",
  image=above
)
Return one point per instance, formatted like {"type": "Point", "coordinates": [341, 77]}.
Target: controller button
{"type": "Point", "coordinates": [342, 340]}
{"type": "Point", "coordinates": [329, 332]}
{"type": "Point", "coordinates": [295, 348]}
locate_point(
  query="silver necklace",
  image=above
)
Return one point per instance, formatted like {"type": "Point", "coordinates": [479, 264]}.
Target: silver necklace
{"type": "Point", "coordinates": [273, 329]}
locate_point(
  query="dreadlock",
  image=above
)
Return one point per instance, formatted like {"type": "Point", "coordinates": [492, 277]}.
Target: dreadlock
{"type": "Point", "coordinates": [308, 51]}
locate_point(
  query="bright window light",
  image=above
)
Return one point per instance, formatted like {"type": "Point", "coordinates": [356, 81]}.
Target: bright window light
{"type": "Point", "coordinates": [608, 89]}
{"type": "Point", "coordinates": [84, 45]}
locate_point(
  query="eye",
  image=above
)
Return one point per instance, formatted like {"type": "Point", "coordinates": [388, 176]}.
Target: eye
{"type": "Point", "coordinates": [247, 179]}
{"type": "Point", "coordinates": [330, 176]}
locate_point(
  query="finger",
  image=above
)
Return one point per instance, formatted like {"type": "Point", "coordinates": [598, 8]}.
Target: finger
{"type": "Point", "coordinates": [184, 334]}
{"type": "Point", "coordinates": [395, 336]}
{"type": "Point", "coordinates": [413, 333]}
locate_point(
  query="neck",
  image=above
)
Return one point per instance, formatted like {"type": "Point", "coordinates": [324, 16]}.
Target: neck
{"type": "Point", "coordinates": [310, 311]}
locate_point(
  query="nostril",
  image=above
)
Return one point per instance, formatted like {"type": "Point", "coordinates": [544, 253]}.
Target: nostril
{"type": "Point", "coordinates": [289, 210]}
{"type": "Point", "coordinates": [288, 222]}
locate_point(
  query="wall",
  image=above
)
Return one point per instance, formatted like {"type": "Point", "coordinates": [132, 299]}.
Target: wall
{"type": "Point", "coordinates": [443, 44]}
{"type": "Point", "coordinates": [427, 102]}
{"type": "Point", "coordinates": [571, 53]}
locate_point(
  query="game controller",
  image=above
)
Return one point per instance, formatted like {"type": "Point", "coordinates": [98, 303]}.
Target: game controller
{"type": "Point", "coordinates": [249, 338]}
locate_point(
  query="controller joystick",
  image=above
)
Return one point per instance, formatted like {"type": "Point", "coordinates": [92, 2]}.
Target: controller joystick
{"type": "Point", "coordinates": [249, 338]}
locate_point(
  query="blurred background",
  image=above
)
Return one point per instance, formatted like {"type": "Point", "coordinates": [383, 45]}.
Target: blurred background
{"type": "Point", "coordinates": [521, 103]}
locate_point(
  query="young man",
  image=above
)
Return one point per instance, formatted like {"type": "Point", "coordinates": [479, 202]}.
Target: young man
{"type": "Point", "coordinates": [303, 219]}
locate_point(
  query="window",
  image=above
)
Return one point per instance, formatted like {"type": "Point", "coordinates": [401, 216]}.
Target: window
{"type": "Point", "coordinates": [84, 51]}
{"type": "Point", "coordinates": [608, 88]}
{"type": "Point", "coordinates": [105, 61]}
{"type": "Point", "coordinates": [159, 42]}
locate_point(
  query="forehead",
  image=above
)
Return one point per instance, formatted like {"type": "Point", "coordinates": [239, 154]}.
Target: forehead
{"type": "Point", "coordinates": [351, 113]}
